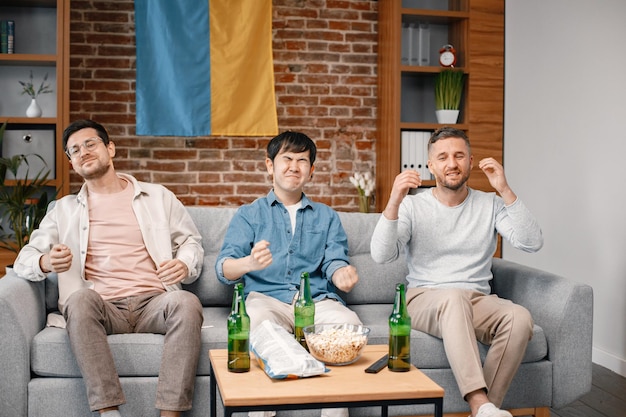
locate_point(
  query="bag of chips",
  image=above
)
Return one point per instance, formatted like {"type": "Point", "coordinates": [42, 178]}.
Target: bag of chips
{"type": "Point", "coordinates": [280, 355]}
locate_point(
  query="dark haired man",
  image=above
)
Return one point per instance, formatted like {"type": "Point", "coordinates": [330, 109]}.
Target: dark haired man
{"type": "Point", "coordinates": [121, 249]}
{"type": "Point", "coordinates": [272, 240]}
{"type": "Point", "coordinates": [449, 236]}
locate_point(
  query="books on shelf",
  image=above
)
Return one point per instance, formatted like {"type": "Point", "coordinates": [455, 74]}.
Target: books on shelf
{"type": "Point", "coordinates": [415, 44]}
{"type": "Point", "coordinates": [7, 36]}
{"type": "Point", "coordinates": [414, 152]}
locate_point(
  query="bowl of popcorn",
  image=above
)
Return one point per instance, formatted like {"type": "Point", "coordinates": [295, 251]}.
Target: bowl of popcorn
{"type": "Point", "coordinates": [336, 344]}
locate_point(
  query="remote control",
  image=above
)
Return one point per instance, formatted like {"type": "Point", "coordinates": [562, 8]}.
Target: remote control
{"type": "Point", "coordinates": [378, 365]}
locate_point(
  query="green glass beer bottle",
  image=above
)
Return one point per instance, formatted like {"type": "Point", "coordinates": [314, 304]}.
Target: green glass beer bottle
{"type": "Point", "coordinates": [238, 333]}
{"type": "Point", "coordinates": [303, 309]}
{"type": "Point", "coordinates": [399, 334]}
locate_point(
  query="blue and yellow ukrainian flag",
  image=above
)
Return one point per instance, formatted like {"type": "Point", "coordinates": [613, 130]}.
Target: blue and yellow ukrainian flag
{"type": "Point", "coordinates": [204, 67]}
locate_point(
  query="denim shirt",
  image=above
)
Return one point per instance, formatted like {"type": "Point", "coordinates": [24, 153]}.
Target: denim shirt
{"type": "Point", "coordinates": [318, 246]}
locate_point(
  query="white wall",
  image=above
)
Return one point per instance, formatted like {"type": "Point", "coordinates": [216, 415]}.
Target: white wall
{"type": "Point", "coordinates": [565, 148]}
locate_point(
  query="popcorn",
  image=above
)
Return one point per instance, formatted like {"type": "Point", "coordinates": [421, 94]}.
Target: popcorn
{"type": "Point", "coordinates": [336, 345]}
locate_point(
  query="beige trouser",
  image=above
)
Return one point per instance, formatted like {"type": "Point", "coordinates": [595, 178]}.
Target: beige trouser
{"type": "Point", "coordinates": [175, 314]}
{"type": "Point", "coordinates": [261, 307]}
{"type": "Point", "coordinates": [460, 317]}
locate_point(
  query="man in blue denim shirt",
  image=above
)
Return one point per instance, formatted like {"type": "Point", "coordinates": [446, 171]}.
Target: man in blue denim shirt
{"type": "Point", "coordinates": [270, 242]}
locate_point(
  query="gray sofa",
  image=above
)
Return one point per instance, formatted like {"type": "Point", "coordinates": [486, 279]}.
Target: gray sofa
{"type": "Point", "coordinates": [40, 377]}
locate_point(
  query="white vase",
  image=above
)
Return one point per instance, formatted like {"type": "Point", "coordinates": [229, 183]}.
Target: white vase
{"type": "Point", "coordinates": [364, 204]}
{"type": "Point", "coordinates": [33, 110]}
{"type": "Point", "coordinates": [447, 116]}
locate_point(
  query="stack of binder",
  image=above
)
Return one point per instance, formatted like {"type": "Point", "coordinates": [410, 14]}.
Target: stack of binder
{"type": "Point", "coordinates": [414, 152]}
{"type": "Point", "coordinates": [415, 44]}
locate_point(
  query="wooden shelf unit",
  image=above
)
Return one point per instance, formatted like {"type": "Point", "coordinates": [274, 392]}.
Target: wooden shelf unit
{"type": "Point", "coordinates": [35, 51]}
{"type": "Point", "coordinates": [476, 29]}
{"type": "Point", "coordinates": [57, 60]}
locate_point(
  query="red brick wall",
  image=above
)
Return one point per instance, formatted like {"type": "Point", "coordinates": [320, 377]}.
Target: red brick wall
{"type": "Point", "coordinates": [325, 71]}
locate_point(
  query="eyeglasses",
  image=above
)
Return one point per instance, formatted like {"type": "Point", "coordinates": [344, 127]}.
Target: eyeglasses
{"type": "Point", "coordinates": [89, 144]}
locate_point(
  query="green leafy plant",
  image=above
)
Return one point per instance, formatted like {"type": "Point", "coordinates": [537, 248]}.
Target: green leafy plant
{"type": "Point", "coordinates": [23, 202]}
{"type": "Point", "coordinates": [449, 89]}
{"type": "Point", "coordinates": [29, 88]}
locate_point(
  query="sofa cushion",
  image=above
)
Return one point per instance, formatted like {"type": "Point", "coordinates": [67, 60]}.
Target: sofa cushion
{"type": "Point", "coordinates": [212, 223]}
{"type": "Point", "coordinates": [139, 354]}
{"type": "Point", "coordinates": [427, 351]}
{"type": "Point", "coordinates": [135, 354]}
{"type": "Point", "coordinates": [377, 282]}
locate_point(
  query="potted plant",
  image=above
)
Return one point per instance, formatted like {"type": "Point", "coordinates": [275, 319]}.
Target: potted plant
{"type": "Point", "coordinates": [448, 91]}
{"type": "Point", "coordinates": [28, 88]}
{"type": "Point", "coordinates": [23, 201]}
{"type": "Point", "coordinates": [364, 184]}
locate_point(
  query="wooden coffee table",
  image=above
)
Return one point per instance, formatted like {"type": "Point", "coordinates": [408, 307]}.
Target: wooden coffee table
{"type": "Point", "coordinates": [343, 386]}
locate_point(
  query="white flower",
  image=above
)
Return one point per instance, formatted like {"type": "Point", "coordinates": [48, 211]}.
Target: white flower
{"type": "Point", "coordinates": [364, 183]}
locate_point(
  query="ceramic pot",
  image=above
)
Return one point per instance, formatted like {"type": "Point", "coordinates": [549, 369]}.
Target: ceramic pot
{"type": "Point", "coordinates": [33, 110]}
{"type": "Point", "coordinates": [447, 116]}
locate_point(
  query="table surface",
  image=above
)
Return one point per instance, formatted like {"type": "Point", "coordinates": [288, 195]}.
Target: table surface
{"type": "Point", "coordinates": [342, 384]}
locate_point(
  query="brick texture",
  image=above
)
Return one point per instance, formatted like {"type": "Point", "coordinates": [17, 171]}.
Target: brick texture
{"type": "Point", "coordinates": [325, 59]}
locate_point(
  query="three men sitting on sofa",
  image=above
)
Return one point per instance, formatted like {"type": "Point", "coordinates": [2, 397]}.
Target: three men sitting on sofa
{"type": "Point", "coordinates": [124, 276]}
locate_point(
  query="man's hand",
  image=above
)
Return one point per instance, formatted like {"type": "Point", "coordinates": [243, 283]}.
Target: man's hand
{"type": "Point", "coordinates": [260, 256]}
{"type": "Point", "coordinates": [172, 272]}
{"type": "Point", "coordinates": [58, 260]}
{"type": "Point", "coordinates": [345, 278]}
{"type": "Point", "coordinates": [495, 174]}
{"type": "Point", "coordinates": [401, 185]}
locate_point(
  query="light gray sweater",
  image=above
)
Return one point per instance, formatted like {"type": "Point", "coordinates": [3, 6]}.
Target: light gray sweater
{"type": "Point", "coordinates": [452, 247]}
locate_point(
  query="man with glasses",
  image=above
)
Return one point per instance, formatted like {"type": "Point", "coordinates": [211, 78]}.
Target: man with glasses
{"type": "Point", "coordinates": [121, 249]}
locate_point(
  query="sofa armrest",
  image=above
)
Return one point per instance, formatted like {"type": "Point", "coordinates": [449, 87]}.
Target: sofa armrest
{"type": "Point", "coordinates": [22, 316]}
{"type": "Point", "coordinates": [564, 309]}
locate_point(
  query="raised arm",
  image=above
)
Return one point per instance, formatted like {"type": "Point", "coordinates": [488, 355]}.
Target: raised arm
{"type": "Point", "coordinates": [401, 185]}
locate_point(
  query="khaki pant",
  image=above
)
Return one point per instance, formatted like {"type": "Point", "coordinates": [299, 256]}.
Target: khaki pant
{"type": "Point", "coordinates": [261, 307]}
{"type": "Point", "coordinates": [459, 318]}
{"type": "Point", "coordinates": [176, 314]}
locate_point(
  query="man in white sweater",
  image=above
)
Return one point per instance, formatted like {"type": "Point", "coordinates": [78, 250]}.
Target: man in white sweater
{"type": "Point", "coordinates": [449, 236]}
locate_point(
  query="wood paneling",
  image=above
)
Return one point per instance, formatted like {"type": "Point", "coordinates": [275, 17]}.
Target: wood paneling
{"type": "Point", "coordinates": [486, 87]}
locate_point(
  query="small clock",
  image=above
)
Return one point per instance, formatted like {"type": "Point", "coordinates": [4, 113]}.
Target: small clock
{"type": "Point", "coordinates": [447, 56]}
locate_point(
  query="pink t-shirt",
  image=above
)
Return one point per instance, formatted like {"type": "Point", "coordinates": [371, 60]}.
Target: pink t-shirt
{"type": "Point", "coordinates": [117, 260]}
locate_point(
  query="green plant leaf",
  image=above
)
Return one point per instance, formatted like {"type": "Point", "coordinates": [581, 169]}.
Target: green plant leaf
{"type": "Point", "coordinates": [449, 85]}
{"type": "Point", "coordinates": [29, 87]}
{"type": "Point", "coordinates": [24, 201]}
